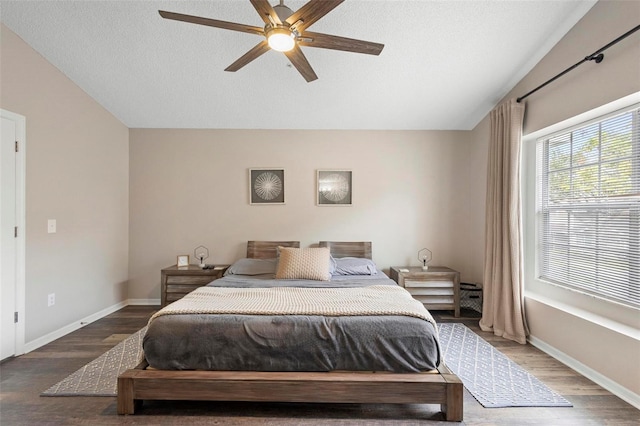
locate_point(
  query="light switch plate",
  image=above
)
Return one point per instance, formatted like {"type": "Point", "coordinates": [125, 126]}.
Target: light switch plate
{"type": "Point", "coordinates": [51, 226]}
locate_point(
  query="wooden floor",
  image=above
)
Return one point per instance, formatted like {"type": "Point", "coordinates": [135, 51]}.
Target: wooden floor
{"type": "Point", "coordinates": [22, 380]}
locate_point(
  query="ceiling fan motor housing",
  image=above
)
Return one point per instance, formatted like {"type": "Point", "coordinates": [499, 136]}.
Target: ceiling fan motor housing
{"type": "Point", "coordinates": [283, 12]}
{"type": "Point", "coordinates": [281, 37]}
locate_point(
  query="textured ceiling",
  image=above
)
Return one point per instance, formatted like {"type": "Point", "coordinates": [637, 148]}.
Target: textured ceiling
{"type": "Point", "coordinates": [444, 66]}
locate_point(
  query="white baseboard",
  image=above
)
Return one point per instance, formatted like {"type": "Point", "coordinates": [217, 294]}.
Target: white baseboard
{"type": "Point", "coordinates": [143, 302]}
{"type": "Point", "coordinates": [591, 374]}
{"type": "Point", "coordinates": [54, 335]}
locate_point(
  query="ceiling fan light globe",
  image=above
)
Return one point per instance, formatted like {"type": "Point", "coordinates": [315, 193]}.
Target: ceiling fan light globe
{"type": "Point", "coordinates": [281, 40]}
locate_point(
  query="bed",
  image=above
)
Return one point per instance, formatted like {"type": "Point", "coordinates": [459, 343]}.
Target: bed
{"type": "Point", "coordinates": [329, 382]}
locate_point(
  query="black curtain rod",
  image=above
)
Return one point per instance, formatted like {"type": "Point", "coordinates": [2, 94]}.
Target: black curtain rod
{"type": "Point", "coordinates": [596, 56]}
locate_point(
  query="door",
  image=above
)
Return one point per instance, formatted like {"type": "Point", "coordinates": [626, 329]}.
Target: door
{"type": "Point", "coordinates": [8, 238]}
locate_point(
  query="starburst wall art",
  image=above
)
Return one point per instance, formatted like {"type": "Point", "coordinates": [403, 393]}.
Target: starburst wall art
{"type": "Point", "coordinates": [334, 188]}
{"type": "Point", "coordinates": [266, 186]}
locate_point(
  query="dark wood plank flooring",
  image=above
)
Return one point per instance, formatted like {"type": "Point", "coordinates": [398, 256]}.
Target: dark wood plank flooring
{"type": "Point", "coordinates": [22, 379]}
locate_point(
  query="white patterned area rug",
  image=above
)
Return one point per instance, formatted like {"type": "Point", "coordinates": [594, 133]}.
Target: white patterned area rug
{"type": "Point", "coordinates": [492, 378]}
{"type": "Point", "coordinates": [100, 376]}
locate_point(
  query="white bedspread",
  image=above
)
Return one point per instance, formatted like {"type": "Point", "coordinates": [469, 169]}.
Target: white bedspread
{"type": "Point", "coordinates": [362, 301]}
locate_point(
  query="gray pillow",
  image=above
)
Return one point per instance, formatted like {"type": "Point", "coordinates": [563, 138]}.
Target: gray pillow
{"type": "Point", "coordinates": [252, 267]}
{"type": "Point", "coordinates": [352, 266]}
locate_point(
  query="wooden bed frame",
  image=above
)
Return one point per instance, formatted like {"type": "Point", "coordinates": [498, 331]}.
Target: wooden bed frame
{"type": "Point", "coordinates": [443, 388]}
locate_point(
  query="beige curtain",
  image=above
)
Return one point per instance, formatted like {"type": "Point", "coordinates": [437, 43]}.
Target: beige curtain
{"type": "Point", "coordinates": [503, 307]}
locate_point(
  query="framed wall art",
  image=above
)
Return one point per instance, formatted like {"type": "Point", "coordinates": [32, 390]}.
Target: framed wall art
{"type": "Point", "coordinates": [335, 188]}
{"type": "Point", "coordinates": [266, 186]}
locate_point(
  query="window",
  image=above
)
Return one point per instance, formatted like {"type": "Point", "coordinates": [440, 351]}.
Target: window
{"type": "Point", "coordinates": [588, 207]}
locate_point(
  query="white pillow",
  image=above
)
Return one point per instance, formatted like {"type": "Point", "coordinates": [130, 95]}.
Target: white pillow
{"type": "Point", "coordinates": [304, 264]}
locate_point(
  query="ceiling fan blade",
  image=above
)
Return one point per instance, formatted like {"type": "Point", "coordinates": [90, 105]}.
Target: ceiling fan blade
{"type": "Point", "coordinates": [327, 41]}
{"type": "Point", "coordinates": [252, 54]}
{"type": "Point", "coordinates": [264, 9]}
{"type": "Point", "coordinates": [211, 22]}
{"type": "Point", "coordinates": [311, 12]}
{"type": "Point", "coordinates": [299, 61]}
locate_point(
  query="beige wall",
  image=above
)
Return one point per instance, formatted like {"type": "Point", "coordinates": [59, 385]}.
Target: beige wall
{"type": "Point", "coordinates": [477, 192]}
{"type": "Point", "coordinates": [567, 321]}
{"type": "Point", "coordinates": [190, 187]}
{"type": "Point", "coordinates": [77, 173]}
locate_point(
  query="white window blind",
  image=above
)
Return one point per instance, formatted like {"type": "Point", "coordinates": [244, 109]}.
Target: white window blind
{"type": "Point", "coordinates": [588, 207]}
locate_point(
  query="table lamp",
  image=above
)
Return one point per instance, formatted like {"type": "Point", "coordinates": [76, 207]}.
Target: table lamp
{"type": "Point", "coordinates": [201, 253]}
{"type": "Point", "coordinates": [424, 256]}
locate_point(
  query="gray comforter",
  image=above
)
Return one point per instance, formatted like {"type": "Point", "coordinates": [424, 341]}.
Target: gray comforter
{"type": "Point", "coordinates": [292, 342]}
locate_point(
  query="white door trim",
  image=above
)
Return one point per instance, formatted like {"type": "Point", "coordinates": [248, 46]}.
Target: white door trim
{"type": "Point", "coordinates": [21, 156]}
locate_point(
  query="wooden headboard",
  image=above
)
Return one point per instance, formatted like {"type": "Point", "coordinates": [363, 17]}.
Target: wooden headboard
{"type": "Point", "coordinates": [267, 249]}
{"type": "Point", "coordinates": [348, 248]}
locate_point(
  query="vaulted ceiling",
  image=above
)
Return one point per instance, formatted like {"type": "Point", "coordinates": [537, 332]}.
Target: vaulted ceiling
{"type": "Point", "coordinates": [445, 64]}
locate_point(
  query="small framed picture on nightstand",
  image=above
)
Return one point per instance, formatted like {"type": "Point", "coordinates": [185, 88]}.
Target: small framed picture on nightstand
{"type": "Point", "coordinates": [183, 260]}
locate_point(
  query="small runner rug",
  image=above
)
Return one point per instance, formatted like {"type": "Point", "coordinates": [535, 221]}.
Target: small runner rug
{"type": "Point", "coordinates": [492, 378]}
{"type": "Point", "coordinates": [100, 376]}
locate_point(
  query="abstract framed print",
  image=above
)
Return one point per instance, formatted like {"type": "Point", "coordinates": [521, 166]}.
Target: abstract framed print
{"type": "Point", "coordinates": [335, 188]}
{"type": "Point", "coordinates": [266, 186]}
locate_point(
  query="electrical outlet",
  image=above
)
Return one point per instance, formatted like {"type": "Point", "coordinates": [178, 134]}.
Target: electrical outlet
{"type": "Point", "coordinates": [51, 299]}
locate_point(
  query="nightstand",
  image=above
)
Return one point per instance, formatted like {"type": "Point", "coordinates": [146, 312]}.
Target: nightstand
{"type": "Point", "coordinates": [438, 288]}
{"type": "Point", "coordinates": [176, 281]}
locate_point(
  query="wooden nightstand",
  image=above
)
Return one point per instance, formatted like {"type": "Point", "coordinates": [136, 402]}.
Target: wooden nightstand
{"type": "Point", "coordinates": [176, 282]}
{"type": "Point", "coordinates": [438, 288]}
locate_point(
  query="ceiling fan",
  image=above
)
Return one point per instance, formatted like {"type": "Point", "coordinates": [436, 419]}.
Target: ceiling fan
{"type": "Point", "coordinates": [285, 31]}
